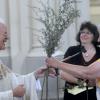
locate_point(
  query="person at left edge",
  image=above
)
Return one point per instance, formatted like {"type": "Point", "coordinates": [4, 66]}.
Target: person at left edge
{"type": "Point", "coordinates": [14, 86]}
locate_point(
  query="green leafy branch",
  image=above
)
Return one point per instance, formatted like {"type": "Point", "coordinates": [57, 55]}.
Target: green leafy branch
{"type": "Point", "coordinates": [55, 23]}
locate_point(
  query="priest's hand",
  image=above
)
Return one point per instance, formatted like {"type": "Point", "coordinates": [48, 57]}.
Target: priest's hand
{"type": "Point", "coordinates": [41, 71]}
{"type": "Point", "coordinates": [19, 91]}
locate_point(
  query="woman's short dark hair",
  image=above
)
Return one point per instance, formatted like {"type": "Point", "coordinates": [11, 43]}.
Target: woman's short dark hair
{"type": "Point", "coordinates": [92, 28]}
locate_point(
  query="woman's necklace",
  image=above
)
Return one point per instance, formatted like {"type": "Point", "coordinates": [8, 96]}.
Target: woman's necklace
{"type": "Point", "coordinates": [86, 54]}
{"type": "Point", "coordinates": [90, 52]}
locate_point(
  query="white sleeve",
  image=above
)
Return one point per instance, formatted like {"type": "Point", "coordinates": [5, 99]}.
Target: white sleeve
{"type": "Point", "coordinates": [30, 85]}
{"type": "Point", "coordinates": [36, 81]}
{"type": "Point", "coordinates": [38, 85]}
{"type": "Point", "coordinates": [7, 95]}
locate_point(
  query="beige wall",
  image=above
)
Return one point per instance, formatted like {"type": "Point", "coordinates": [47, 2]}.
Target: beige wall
{"type": "Point", "coordinates": [95, 14]}
{"type": "Point", "coordinates": [95, 11]}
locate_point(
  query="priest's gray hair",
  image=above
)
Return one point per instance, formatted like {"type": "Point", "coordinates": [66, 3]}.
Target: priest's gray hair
{"type": "Point", "coordinates": [2, 21]}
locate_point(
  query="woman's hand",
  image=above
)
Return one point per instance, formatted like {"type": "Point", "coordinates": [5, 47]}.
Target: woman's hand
{"type": "Point", "coordinates": [52, 62]}
{"type": "Point", "coordinates": [40, 72]}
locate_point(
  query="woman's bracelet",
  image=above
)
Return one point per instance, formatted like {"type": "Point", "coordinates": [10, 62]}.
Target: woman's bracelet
{"type": "Point", "coordinates": [58, 72]}
{"type": "Point", "coordinates": [81, 83]}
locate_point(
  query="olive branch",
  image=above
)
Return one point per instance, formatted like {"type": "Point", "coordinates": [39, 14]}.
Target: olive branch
{"type": "Point", "coordinates": [54, 25]}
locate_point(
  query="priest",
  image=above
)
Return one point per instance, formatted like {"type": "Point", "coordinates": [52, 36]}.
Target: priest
{"type": "Point", "coordinates": [14, 86]}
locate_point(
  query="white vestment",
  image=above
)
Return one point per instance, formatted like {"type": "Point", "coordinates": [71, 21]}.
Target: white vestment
{"type": "Point", "coordinates": [12, 80]}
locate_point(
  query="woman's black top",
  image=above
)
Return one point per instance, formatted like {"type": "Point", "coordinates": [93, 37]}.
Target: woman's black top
{"type": "Point", "coordinates": [79, 60]}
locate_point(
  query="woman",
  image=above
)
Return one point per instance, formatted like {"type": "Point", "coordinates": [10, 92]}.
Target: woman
{"type": "Point", "coordinates": [87, 38]}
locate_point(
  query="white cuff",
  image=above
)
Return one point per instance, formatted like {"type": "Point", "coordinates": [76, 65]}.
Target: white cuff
{"type": "Point", "coordinates": [6, 95]}
{"type": "Point", "coordinates": [38, 85]}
